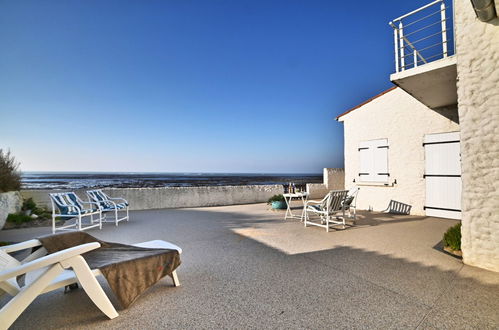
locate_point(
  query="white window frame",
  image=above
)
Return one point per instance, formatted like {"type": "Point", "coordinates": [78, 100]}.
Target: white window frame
{"type": "Point", "coordinates": [373, 161]}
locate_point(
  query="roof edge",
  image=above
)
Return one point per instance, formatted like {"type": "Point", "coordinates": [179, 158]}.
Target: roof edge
{"type": "Point", "coordinates": [365, 102]}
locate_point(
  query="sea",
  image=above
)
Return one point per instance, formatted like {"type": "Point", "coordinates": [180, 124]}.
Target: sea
{"type": "Point", "coordinates": [83, 180]}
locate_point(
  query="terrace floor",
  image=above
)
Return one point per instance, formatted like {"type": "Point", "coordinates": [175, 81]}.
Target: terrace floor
{"type": "Point", "coordinates": [244, 267]}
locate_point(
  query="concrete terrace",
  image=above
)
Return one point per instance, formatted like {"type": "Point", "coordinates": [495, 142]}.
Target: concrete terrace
{"type": "Point", "coordinates": [244, 267]}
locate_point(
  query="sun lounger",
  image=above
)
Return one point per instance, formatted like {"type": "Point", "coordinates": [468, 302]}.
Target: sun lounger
{"type": "Point", "coordinates": [47, 272]}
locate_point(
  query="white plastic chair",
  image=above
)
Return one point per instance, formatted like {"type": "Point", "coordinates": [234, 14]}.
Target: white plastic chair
{"type": "Point", "coordinates": [326, 209]}
{"type": "Point", "coordinates": [109, 204]}
{"type": "Point", "coordinates": [45, 273]}
{"type": "Point", "coordinates": [68, 205]}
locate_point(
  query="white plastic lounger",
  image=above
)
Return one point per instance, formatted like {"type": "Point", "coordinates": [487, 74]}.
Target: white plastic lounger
{"type": "Point", "coordinates": [109, 204]}
{"type": "Point", "coordinates": [46, 273]}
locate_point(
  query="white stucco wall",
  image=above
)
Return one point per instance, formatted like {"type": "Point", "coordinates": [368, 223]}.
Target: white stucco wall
{"type": "Point", "coordinates": [477, 48]}
{"type": "Point", "coordinates": [404, 121]}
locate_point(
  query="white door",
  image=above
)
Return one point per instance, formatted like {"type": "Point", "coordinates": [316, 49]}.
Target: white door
{"type": "Point", "coordinates": [443, 175]}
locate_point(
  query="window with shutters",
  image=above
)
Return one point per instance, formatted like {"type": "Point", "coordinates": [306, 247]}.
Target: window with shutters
{"type": "Point", "coordinates": [373, 161]}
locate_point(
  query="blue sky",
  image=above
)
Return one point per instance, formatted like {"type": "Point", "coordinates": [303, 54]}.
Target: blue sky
{"type": "Point", "coordinates": [188, 86]}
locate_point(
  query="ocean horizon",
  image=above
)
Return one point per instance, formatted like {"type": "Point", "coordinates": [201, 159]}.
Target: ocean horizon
{"type": "Point", "coordinates": [85, 180]}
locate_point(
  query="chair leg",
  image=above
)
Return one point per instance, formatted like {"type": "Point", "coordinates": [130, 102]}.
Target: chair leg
{"type": "Point", "coordinates": [174, 277]}
{"type": "Point", "coordinates": [116, 216]}
{"type": "Point", "coordinates": [11, 311]}
{"type": "Point", "coordinates": [91, 286]}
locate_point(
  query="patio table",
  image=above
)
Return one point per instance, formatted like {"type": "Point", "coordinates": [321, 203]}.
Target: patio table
{"type": "Point", "coordinates": [289, 197]}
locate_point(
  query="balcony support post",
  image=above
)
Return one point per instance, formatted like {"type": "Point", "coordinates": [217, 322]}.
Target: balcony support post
{"type": "Point", "coordinates": [444, 29]}
{"type": "Point", "coordinates": [401, 40]}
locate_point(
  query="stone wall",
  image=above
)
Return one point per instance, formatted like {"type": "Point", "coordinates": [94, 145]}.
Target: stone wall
{"type": "Point", "coordinates": [404, 121]}
{"type": "Point", "coordinates": [477, 48]}
{"type": "Point", "coordinates": [10, 202]}
{"type": "Point", "coordinates": [334, 178]}
{"type": "Point", "coordinates": [176, 197]}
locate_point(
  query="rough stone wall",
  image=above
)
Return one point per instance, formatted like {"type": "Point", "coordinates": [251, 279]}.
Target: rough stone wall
{"type": "Point", "coordinates": [10, 202]}
{"type": "Point", "coordinates": [404, 121]}
{"type": "Point", "coordinates": [477, 48]}
{"type": "Point", "coordinates": [176, 197]}
{"type": "Point", "coordinates": [334, 178]}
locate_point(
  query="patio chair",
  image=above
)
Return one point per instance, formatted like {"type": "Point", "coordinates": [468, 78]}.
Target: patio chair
{"type": "Point", "coordinates": [68, 205]}
{"type": "Point", "coordinates": [45, 273]}
{"type": "Point", "coordinates": [108, 204]}
{"type": "Point", "coordinates": [327, 209]}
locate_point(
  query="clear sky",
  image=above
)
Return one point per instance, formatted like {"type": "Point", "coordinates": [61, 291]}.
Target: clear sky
{"type": "Point", "coordinates": [188, 86]}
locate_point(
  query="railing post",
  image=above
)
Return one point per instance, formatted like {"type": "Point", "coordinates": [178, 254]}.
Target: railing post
{"type": "Point", "coordinates": [396, 42]}
{"type": "Point", "coordinates": [444, 29]}
{"type": "Point", "coordinates": [401, 40]}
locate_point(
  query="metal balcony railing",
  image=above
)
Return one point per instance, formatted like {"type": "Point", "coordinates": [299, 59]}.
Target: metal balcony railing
{"type": "Point", "coordinates": [422, 36]}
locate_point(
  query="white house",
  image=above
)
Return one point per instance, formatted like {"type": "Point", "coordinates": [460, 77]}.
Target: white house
{"type": "Point", "coordinates": [385, 154]}
{"type": "Point", "coordinates": [433, 141]}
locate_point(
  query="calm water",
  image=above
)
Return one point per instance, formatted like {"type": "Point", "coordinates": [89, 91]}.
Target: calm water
{"type": "Point", "coordinates": [77, 180]}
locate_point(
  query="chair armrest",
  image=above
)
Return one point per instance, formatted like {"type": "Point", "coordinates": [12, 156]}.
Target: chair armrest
{"type": "Point", "coordinates": [118, 198]}
{"type": "Point", "coordinates": [21, 246]}
{"type": "Point", "coordinates": [83, 202]}
{"type": "Point", "coordinates": [48, 260]}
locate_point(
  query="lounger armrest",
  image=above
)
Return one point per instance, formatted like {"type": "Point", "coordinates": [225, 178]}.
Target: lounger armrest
{"type": "Point", "coordinates": [21, 246]}
{"type": "Point", "coordinates": [48, 260]}
{"type": "Point", "coordinates": [314, 202]}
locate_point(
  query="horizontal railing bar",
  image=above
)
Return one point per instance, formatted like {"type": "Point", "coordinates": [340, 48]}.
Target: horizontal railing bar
{"type": "Point", "coordinates": [423, 18]}
{"type": "Point", "coordinates": [420, 61]}
{"type": "Point", "coordinates": [427, 37]}
{"type": "Point", "coordinates": [421, 29]}
{"type": "Point", "coordinates": [417, 10]}
{"type": "Point", "coordinates": [422, 49]}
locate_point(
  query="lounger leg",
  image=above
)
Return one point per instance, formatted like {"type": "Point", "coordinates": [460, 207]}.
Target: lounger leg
{"type": "Point", "coordinates": [100, 219]}
{"type": "Point", "coordinates": [116, 216]}
{"type": "Point", "coordinates": [11, 311]}
{"type": "Point", "coordinates": [91, 285]}
{"type": "Point", "coordinates": [127, 217]}
{"type": "Point", "coordinates": [79, 222]}
{"type": "Point", "coordinates": [174, 277]}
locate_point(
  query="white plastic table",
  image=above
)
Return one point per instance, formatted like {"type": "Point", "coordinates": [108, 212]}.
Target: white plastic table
{"type": "Point", "coordinates": [288, 198]}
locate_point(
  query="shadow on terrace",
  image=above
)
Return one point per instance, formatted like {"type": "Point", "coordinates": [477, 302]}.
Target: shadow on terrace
{"type": "Point", "coordinates": [243, 266]}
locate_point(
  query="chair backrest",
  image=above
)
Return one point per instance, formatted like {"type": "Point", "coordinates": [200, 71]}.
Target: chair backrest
{"type": "Point", "coordinates": [99, 196]}
{"type": "Point", "coordinates": [334, 201]}
{"type": "Point", "coordinates": [351, 195]}
{"type": "Point", "coordinates": [66, 202]}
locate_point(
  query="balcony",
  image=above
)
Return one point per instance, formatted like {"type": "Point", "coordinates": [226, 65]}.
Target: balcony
{"type": "Point", "coordinates": [425, 65]}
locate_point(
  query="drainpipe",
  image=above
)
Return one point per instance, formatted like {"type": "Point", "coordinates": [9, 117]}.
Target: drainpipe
{"type": "Point", "coordinates": [485, 10]}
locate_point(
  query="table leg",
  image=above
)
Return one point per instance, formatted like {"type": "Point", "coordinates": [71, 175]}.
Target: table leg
{"type": "Point", "coordinates": [288, 208]}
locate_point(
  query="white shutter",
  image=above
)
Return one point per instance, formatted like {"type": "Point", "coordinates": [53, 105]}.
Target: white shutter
{"type": "Point", "coordinates": [380, 151]}
{"type": "Point", "coordinates": [366, 164]}
{"type": "Point", "coordinates": [373, 161]}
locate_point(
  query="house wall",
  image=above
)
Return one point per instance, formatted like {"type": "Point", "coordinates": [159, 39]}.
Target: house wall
{"type": "Point", "coordinates": [404, 121]}
{"type": "Point", "coordinates": [477, 48]}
